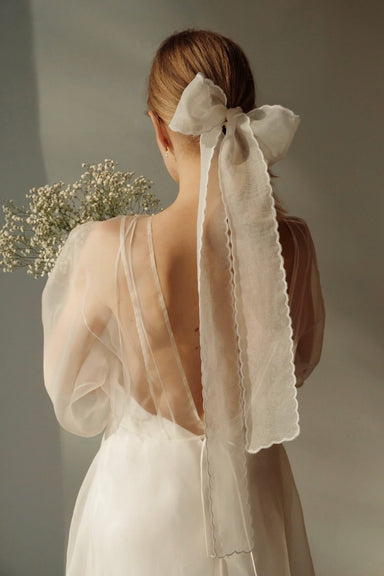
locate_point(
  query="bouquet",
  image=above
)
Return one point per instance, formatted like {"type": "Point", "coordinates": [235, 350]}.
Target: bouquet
{"type": "Point", "coordinates": [32, 237]}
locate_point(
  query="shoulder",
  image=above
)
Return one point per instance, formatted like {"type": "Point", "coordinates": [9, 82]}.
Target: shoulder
{"type": "Point", "coordinates": [295, 234]}
{"type": "Point", "coordinates": [101, 236]}
{"type": "Point", "coordinates": [296, 245]}
{"type": "Point", "coordinates": [94, 245]}
{"type": "Point", "coordinates": [294, 224]}
{"type": "Point", "coordinates": [104, 230]}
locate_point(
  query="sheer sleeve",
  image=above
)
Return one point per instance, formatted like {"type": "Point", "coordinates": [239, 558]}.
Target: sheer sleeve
{"type": "Point", "coordinates": [305, 295]}
{"type": "Point", "coordinates": [81, 364]}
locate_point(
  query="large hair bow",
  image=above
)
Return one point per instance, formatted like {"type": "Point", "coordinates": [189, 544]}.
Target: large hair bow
{"type": "Point", "coordinates": [246, 338]}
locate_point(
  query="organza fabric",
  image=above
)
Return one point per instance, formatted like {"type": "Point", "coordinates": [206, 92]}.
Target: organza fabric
{"type": "Point", "coordinates": [171, 492]}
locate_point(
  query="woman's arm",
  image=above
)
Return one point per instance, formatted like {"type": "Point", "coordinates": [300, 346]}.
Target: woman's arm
{"type": "Point", "coordinates": [305, 295]}
{"type": "Point", "coordinates": [80, 363]}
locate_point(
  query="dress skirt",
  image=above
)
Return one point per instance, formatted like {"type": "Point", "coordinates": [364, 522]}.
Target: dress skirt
{"type": "Point", "coordinates": [139, 510]}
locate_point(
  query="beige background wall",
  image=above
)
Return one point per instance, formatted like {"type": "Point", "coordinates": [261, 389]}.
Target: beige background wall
{"type": "Point", "coordinates": [72, 89]}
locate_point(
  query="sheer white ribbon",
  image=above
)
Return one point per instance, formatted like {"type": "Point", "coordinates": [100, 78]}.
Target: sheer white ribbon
{"type": "Point", "coordinates": [246, 338]}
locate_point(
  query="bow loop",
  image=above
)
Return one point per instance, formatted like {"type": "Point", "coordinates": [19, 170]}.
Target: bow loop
{"type": "Point", "coordinates": [201, 108]}
{"type": "Point", "coordinates": [274, 128]}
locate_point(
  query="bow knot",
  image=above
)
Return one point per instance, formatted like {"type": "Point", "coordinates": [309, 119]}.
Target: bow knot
{"type": "Point", "coordinates": [231, 114]}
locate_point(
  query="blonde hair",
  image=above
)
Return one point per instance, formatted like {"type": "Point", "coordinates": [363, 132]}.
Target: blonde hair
{"type": "Point", "coordinates": [181, 56]}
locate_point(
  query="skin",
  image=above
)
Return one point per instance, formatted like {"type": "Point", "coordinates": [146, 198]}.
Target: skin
{"type": "Point", "coordinates": [174, 239]}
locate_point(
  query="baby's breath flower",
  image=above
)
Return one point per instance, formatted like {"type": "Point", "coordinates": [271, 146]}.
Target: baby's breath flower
{"type": "Point", "coordinates": [32, 237]}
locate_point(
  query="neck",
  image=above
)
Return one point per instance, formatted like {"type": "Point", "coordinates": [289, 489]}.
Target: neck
{"type": "Point", "coordinates": [189, 184]}
{"type": "Point", "coordinates": [187, 200]}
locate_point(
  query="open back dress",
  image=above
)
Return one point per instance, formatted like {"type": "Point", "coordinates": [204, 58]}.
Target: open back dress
{"type": "Point", "coordinates": [112, 364]}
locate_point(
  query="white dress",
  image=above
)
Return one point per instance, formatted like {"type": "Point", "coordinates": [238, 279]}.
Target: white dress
{"type": "Point", "coordinates": [113, 364]}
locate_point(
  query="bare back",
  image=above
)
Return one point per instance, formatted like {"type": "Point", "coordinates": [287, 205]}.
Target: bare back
{"type": "Point", "coordinates": [174, 243]}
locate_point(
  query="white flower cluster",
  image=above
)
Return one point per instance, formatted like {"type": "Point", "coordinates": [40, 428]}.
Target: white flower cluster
{"type": "Point", "coordinates": [32, 237]}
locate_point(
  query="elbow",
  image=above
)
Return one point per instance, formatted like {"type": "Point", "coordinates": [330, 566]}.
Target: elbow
{"type": "Point", "coordinates": [86, 417]}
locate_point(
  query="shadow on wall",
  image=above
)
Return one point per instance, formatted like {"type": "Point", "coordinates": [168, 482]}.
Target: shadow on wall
{"type": "Point", "coordinates": [32, 520]}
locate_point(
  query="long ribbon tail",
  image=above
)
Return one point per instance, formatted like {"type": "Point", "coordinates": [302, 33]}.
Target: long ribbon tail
{"type": "Point", "coordinates": [262, 314]}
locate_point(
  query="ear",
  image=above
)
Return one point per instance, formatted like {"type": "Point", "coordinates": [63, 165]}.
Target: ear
{"type": "Point", "coordinates": [162, 137]}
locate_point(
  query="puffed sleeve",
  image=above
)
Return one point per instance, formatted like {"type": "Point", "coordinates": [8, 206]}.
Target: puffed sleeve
{"type": "Point", "coordinates": [305, 295]}
{"type": "Point", "coordinates": [81, 364]}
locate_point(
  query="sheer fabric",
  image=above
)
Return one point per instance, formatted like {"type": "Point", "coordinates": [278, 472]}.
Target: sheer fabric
{"type": "Point", "coordinates": [111, 363]}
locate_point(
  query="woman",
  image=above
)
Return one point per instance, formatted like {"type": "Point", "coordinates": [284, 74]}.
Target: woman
{"type": "Point", "coordinates": [184, 336]}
